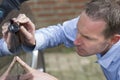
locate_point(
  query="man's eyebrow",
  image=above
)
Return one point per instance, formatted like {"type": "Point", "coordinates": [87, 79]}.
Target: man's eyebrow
{"type": "Point", "coordinates": [87, 37]}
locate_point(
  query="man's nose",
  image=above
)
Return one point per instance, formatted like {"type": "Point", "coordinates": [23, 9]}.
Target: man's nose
{"type": "Point", "coordinates": [77, 42]}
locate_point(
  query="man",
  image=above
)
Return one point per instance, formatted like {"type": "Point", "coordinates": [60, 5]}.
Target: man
{"type": "Point", "coordinates": [96, 31]}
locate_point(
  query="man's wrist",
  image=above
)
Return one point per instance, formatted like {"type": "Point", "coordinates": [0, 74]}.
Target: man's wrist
{"type": "Point", "coordinates": [28, 48]}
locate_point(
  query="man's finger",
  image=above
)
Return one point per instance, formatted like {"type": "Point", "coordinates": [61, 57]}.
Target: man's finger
{"type": "Point", "coordinates": [8, 70]}
{"type": "Point", "coordinates": [23, 64]}
{"type": "Point", "coordinates": [5, 28]}
{"type": "Point", "coordinates": [11, 65]}
{"type": "Point", "coordinates": [22, 18]}
{"type": "Point", "coordinates": [24, 32]}
{"type": "Point", "coordinates": [28, 38]}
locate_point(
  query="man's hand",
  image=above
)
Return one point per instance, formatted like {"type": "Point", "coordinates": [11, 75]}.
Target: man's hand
{"type": "Point", "coordinates": [27, 30]}
{"type": "Point", "coordinates": [7, 72]}
{"type": "Point", "coordinates": [12, 40]}
{"type": "Point", "coordinates": [24, 36]}
{"type": "Point", "coordinates": [32, 74]}
{"type": "Point", "coordinates": [37, 75]}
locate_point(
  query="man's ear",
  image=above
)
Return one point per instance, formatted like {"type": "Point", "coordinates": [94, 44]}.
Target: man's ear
{"type": "Point", "coordinates": [115, 38]}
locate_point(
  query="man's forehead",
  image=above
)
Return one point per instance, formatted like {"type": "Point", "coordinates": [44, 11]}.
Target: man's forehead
{"type": "Point", "coordinates": [88, 26]}
{"type": "Point", "coordinates": [85, 20]}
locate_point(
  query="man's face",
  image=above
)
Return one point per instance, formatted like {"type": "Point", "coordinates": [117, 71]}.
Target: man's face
{"type": "Point", "coordinates": [90, 39]}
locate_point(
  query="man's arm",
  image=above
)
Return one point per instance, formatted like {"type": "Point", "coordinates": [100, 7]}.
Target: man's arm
{"type": "Point", "coordinates": [6, 7]}
{"type": "Point", "coordinates": [55, 35]}
{"type": "Point", "coordinates": [46, 37]}
{"type": "Point", "coordinates": [11, 41]}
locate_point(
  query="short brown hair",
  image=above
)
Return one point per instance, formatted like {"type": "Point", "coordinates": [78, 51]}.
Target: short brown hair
{"type": "Point", "coordinates": [107, 10]}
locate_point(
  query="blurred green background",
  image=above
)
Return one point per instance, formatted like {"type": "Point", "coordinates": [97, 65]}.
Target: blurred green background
{"type": "Point", "coordinates": [70, 66]}
{"type": "Point", "coordinates": [66, 64]}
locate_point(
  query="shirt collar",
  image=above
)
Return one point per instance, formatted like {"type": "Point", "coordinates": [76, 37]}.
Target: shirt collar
{"type": "Point", "coordinates": [110, 56]}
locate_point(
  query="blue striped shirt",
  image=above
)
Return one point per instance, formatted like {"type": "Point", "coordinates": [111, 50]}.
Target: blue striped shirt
{"type": "Point", "coordinates": [110, 62]}
{"type": "Point", "coordinates": [3, 48]}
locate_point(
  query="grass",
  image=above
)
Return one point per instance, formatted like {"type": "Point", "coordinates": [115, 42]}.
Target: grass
{"type": "Point", "coordinates": [73, 67]}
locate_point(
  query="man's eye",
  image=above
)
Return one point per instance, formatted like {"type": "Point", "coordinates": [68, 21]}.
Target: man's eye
{"type": "Point", "coordinates": [88, 38]}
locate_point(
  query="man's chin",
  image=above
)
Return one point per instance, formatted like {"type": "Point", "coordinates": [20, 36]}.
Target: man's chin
{"type": "Point", "coordinates": [82, 53]}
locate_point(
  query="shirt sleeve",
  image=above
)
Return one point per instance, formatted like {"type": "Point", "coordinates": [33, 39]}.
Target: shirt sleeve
{"type": "Point", "coordinates": [55, 35]}
{"type": "Point", "coordinates": [3, 48]}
